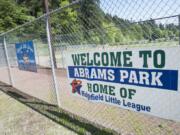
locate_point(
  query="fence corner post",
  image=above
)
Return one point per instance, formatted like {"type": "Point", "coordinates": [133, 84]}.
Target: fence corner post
{"type": "Point", "coordinates": [8, 63]}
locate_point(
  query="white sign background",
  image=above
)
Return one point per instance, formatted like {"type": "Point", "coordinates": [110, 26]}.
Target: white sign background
{"type": "Point", "coordinates": [163, 103]}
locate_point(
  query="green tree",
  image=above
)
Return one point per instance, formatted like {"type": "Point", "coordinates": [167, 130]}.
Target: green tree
{"type": "Point", "coordinates": [113, 33]}
{"type": "Point", "coordinates": [64, 24]}
{"type": "Point", "coordinates": [12, 15]}
{"type": "Point", "coordinates": [36, 7]}
{"type": "Point", "coordinates": [91, 17]}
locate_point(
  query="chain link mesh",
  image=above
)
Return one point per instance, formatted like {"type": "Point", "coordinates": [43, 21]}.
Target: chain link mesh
{"type": "Point", "coordinates": [38, 84]}
{"type": "Point", "coordinates": [3, 63]}
{"type": "Point", "coordinates": [95, 25]}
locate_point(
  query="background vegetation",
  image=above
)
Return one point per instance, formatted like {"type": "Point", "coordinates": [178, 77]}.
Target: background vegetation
{"type": "Point", "coordinates": [82, 23]}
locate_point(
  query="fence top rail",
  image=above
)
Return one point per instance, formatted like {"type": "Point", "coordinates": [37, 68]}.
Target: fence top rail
{"type": "Point", "coordinates": [160, 18]}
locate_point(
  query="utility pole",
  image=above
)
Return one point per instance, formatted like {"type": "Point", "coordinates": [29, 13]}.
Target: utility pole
{"type": "Point", "coordinates": [46, 3]}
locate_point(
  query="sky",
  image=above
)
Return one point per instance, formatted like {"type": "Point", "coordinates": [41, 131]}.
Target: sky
{"type": "Point", "coordinates": [137, 10]}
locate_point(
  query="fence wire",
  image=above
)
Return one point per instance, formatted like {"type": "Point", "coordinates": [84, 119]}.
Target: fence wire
{"type": "Point", "coordinates": [94, 25]}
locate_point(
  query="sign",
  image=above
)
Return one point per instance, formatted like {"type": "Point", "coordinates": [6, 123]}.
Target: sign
{"type": "Point", "coordinates": [143, 80]}
{"type": "Point", "coordinates": [25, 56]}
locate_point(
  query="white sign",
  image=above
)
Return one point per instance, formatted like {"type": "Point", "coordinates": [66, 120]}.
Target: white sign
{"type": "Point", "coordinates": [142, 80]}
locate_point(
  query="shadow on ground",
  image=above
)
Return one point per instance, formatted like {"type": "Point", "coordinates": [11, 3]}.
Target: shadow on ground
{"type": "Point", "coordinates": [72, 122]}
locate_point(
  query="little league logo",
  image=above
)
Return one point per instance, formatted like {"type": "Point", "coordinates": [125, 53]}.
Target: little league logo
{"type": "Point", "coordinates": [76, 86]}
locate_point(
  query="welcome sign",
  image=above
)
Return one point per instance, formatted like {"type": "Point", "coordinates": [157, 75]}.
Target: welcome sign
{"type": "Point", "coordinates": [143, 80]}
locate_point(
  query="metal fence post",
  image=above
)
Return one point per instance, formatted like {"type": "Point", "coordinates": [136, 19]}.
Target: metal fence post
{"type": "Point", "coordinates": [179, 27]}
{"type": "Point", "coordinates": [8, 63]}
{"type": "Point", "coordinates": [36, 53]}
{"type": "Point", "coordinates": [52, 62]}
{"type": "Point", "coordinates": [62, 54]}
{"type": "Point", "coordinates": [62, 58]}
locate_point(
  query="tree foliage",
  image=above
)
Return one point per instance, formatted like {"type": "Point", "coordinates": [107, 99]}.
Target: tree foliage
{"type": "Point", "coordinates": [11, 15]}
{"type": "Point", "coordinates": [85, 22]}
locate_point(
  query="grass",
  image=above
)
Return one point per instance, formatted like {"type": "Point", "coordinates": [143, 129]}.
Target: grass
{"type": "Point", "coordinates": [18, 119]}
{"type": "Point", "coordinates": [70, 121]}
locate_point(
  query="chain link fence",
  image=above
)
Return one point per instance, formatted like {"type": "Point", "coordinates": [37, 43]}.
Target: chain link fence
{"type": "Point", "coordinates": [91, 25]}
